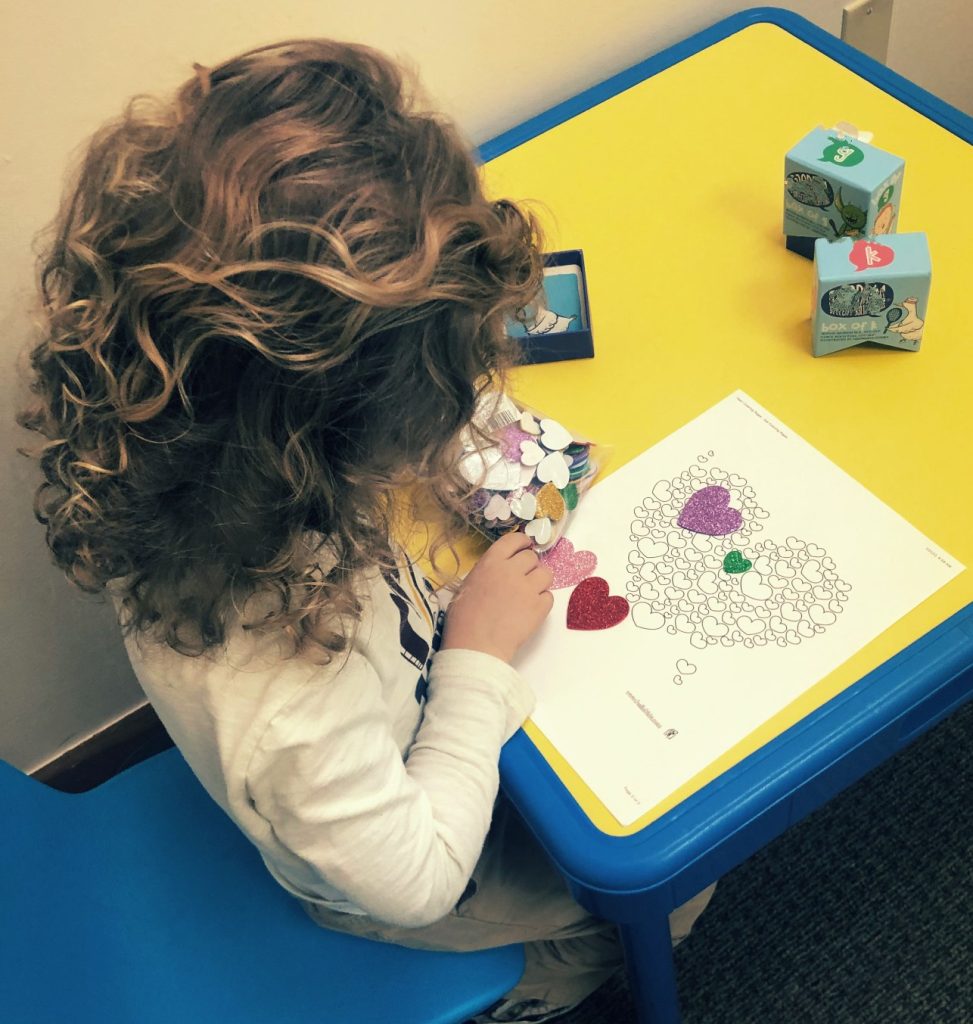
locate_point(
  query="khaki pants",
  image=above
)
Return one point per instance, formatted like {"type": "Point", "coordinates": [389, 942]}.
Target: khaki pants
{"type": "Point", "coordinates": [517, 895]}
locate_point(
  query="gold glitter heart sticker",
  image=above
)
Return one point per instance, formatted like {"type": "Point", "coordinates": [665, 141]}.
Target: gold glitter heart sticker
{"type": "Point", "coordinates": [550, 503]}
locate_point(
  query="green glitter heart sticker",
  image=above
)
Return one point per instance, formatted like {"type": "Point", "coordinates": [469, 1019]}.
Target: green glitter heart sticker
{"type": "Point", "coordinates": [570, 496]}
{"type": "Point", "coordinates": [735, 562]}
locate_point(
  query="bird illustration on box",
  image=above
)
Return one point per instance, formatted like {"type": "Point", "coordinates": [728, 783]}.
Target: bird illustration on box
{"type": "Point", "coordinates": [549, 322]}
{"type": "Point", "coordinates": [908, 324]}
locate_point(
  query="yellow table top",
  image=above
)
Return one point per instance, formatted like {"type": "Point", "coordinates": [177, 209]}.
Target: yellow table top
{"type": "Point", "coordinates": [674, 190]}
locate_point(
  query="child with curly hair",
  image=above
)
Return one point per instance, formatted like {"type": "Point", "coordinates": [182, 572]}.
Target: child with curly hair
{"type": "Point", "coordinates": [270, 309]}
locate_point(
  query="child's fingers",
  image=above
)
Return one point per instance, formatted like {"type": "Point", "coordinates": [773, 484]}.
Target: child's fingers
{"type": "Point", "coordinates": [542, 576]}
{"type": "Point", "coordinates": [524, 561]}
{"type": "Point", "coordinates": [512, 543]}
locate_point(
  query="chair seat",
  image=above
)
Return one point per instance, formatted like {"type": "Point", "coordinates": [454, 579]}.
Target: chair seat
{"type": "Point", "coordinates": [140, 902]}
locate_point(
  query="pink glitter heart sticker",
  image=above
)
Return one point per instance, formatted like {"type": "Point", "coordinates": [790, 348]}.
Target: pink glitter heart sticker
{"type": "Point", "coordinates": [510, 438]}
{"type": "Point", "coordinates": [569, 566]}
{"type": "Point", "coordinates": [708, 511]}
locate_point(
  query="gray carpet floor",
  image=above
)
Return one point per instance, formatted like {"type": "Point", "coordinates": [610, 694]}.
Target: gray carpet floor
{"type": "Point", "coordinates": [861, 914]}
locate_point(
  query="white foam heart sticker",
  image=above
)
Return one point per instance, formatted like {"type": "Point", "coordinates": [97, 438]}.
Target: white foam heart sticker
{"type": "Point", "coordinates": [497, 508]}
{"type": "Point", "coordinates": [524, 507]}
{"type": "Point", "coordinates": [554, 437]}
{"type": "Point", "coordinates": [531, 453]}
{"type": "Point", "coordinates": [539, 530]}
{"type": "Point", "coordinates": [553, 469]}
{"type": "Point", "coordinates": [529, 425]}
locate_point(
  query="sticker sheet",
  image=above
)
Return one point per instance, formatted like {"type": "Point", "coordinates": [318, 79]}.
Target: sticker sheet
{"type": "Point", "coordinates": [703, 587]}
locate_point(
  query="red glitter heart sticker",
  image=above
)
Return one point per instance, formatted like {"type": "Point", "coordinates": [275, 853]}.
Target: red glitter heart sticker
{"type": "Point", "coordinates": [590, 606]}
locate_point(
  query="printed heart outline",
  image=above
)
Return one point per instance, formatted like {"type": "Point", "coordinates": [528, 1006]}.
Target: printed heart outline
{"type": "Point", "coordinates": [779, 574]}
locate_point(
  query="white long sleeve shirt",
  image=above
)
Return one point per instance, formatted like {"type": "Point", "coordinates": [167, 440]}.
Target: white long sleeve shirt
{"type": "Point", "coordinates": [367, 784]}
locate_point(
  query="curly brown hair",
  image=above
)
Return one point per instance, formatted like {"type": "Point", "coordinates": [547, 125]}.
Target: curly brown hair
{"type": "Point", "coordinates": [268, 305]}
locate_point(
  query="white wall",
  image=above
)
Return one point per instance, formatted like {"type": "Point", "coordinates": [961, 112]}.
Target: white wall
{"type": "Point", "coordinates": [931, 43]}
{"type": "Point", "coordinates": [68, 67]}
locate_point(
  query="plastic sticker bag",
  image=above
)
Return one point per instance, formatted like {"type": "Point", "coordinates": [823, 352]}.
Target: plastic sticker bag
{"type": "Point", "coordinates": [530, 473]}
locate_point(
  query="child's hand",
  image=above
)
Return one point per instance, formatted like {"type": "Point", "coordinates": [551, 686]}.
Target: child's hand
{"type": "Point", "coordinates": [503, 600]}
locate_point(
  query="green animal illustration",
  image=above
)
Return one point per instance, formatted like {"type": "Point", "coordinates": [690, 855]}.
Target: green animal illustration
{"type": "Point", "coordinates": [852, 218]}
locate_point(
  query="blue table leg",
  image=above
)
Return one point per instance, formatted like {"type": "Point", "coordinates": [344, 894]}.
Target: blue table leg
{"type": "Point", "coordinates": [651, 970]}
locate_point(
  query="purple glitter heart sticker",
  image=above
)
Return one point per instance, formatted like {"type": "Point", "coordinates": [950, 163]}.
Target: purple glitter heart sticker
{"type": "Point", "coordinates": [708, 511]}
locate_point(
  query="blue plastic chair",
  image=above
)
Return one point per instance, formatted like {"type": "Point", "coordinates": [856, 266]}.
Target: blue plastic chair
{"type": "Point", "coordinates": [140, 902]}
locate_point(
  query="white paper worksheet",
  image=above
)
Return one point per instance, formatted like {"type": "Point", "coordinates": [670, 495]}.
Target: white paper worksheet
{"type": "Point", "coordinates": [751, 567]}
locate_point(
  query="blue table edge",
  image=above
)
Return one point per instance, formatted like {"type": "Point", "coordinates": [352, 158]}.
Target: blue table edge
{"type": "Point", "coordinates": [763, 794]}
{"type": "Point", "coordinates": [943, 113]}
{"type": "Point", "coordinates": [834, 745]}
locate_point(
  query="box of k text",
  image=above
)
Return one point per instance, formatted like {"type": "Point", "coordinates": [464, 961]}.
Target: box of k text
{"type": "Point", "coordinates": [870, 290]}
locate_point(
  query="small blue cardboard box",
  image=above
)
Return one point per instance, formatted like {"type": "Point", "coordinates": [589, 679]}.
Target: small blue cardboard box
{"type": "Point", "coordinates": [557, 324]}
{"type": "Point", "coordinates": [870, 290]}
{"type": "Point", "coordinates": [839, 187]}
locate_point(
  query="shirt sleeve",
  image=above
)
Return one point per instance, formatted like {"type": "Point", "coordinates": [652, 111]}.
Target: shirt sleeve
{"type": "Point", "coordinates": [397, 837]}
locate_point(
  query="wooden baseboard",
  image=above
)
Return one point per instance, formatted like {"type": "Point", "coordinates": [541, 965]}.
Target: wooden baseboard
{"type": "Point", "coordinates": [131, 739]}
